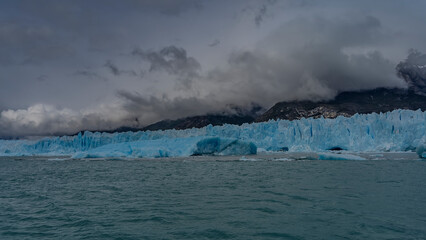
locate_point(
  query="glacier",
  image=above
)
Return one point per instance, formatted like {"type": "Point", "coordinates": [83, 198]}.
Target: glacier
{"type": "Point", "coordinates": [399, 130]}
{"type": "Point", "coordinates": [173, 147]}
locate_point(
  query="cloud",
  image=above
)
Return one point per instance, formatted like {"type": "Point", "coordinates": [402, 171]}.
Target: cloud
{"type": "Point", "coordinates": [114, 69]}
{"type": "Point", "coordinates": [259, 16]}
{"type": "Point", "coordinates": [34, 32]}
{"type": "Point", "coordinates": [30, 44]}
{"type": "Point", "coordinates": [70, 10]}
{"type": "Point", "coordinates": [117, 72]}
{"type": "Point", "coordinates": [304, 50]}
{"type": "Point", "coordinates": [150, 109]}
{"type": "Point", "coordinates": [214, 43]}
{"type": "Point", "coordinates": [90, 74]}
{"type": "Point", "coordinates": [413, 71]}
{"type": "Point", "coordinates": [262, 11]}
{"type": "Point", "coordinates": [316, 63]}
{"type": "Point", "coordinates": [172, 60]}
{"type": "Point", "coordinates": [133, 110]}
{"type": "Point", "coordinates": [307, 59]}
{"type": "Point", "coordinates": [45, 119]}
{"type": "Point", "coordinates": [168, 7]}
{"type": "Point", "coordinates": [41, 119]}
{"type": "Point", "coordinates": [42, 78]}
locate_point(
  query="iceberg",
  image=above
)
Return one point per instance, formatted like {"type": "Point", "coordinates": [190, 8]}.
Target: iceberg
{"type": "Point", "coordinates": [421, 151]}
{"type": "Point", "coordinates": [400, 130]}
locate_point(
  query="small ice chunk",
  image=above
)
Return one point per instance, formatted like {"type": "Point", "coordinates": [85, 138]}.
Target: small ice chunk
{"type": "Point", "coordinates": [333, 156]}
{"type": "Point", "coordinates": [421, 151]}
{"type": "Point", "coordinates": [244, 158]}
{"type": "Point", "coordinates": [283, 159]}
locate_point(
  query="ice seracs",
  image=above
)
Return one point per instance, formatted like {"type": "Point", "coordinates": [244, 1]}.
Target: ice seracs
{"type": "Point", "coordinates": [400, 130]}
{"type": "Point", "coordinates": [171, 147]}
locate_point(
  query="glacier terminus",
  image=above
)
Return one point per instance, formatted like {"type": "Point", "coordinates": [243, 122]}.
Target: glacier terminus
{"type": "Point", "coordinates": [396, 131]}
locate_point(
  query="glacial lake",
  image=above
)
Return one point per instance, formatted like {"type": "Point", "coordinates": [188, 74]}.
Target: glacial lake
{"type": "Point", "coordinates": [281, 196]}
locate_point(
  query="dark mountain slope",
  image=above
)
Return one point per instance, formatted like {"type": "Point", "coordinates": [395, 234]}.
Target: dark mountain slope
{"type": "Point", "coordinates": [191, 122]}
{"type": "Point", "coordinates": [200, 121]}
{"type": "Point", "coordinates": [347, 104]}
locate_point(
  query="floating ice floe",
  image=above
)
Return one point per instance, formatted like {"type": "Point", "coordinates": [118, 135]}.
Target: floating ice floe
{"type": "Point", "coordinates": [334, 156]}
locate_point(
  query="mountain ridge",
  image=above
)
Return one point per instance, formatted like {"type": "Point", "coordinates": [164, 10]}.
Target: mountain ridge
{"type": "Point", "coordinates": [344, 104]}
{"type": "Point", "coordinates": [347, 104]}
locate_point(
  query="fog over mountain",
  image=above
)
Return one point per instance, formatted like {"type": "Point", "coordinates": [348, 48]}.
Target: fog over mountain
{"type": "Point", "coordinates": [67, 66]}
{"type": "Point", "coordinates": [413, 71]}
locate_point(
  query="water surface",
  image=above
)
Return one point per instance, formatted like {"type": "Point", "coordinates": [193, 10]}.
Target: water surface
{"type": "Point", "coordinates": [212, 198]}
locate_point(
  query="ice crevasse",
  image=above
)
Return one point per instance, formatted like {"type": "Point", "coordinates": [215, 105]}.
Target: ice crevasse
{"type": "Point", "coordinates": [400, 130]}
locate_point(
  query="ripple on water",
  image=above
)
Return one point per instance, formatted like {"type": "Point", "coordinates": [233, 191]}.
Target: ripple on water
{"type": "Point", "coordinates": [218, 199]}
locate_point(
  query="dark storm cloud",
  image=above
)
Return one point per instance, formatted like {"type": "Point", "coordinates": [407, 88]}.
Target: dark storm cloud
{"type": "Point", "coordinates": [168, 7]}
{"type": "Point", "coordinates": [150, 109]}
{"type": "Point", "coordinates": [171, 59]}
{"type": "Point", "coordinates": [174, 61]}
{"type": "Point", "coordinates": [90, 74]}
{"type": "Point", "coordinates": [69, 10]}
{"type": "Point", "coordinates": [214, 43]}
{"type": "Point", "coordinates": [413, 71]}
{"type": "Point", "coordinates": [273, 51]}
{"type": "Point", "coordinates": [259, 16]}
{"type": "Point", "coordinates": [23, 44]}
{"type": "Point", "coordinates": [52, 29]}
{"type": "Point", "coordinates": [117, 71]}
{"type": "Point", "coordinates": [261, 11]}
{"type": "Point", "coordinates": [111, 66]}
{"type": "Point", "coordinates": [313, 64]}
{"type": "Point", "coordinates": [42, 78]}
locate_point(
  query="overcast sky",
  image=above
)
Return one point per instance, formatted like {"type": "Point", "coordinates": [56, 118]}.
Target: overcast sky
{"type": "Point", "coordinates": [100, 64]}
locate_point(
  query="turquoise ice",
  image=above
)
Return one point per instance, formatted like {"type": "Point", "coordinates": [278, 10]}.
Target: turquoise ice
{"type": "Point", "coordinates": [400, 130]}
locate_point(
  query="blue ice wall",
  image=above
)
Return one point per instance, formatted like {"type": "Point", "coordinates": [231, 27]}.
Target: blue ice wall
{"type": "Point", "coordinates": [400, 130]}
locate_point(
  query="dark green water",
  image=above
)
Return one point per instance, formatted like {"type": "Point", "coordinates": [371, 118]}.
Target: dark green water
{"type": "Point", "coordinates": [210, 199]}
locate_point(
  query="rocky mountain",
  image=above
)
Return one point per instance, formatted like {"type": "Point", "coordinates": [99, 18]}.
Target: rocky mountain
{"type": "Point", "coordinates": [348, 104]}
{"type": "Point", "coordinates": [200, 121]}
{"type": "Point", "coordinates": [191, 122]}
{"type": "Point", "coordinates": [412, 70]}
{"type": "Point", "coordinates": [345, 104]}
{"type": "Point", "coordinates": [239, 117]}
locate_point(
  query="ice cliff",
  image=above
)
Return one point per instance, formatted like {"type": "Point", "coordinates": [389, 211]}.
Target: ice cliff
{"type": "Point", "coordinates": [400, 130]}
